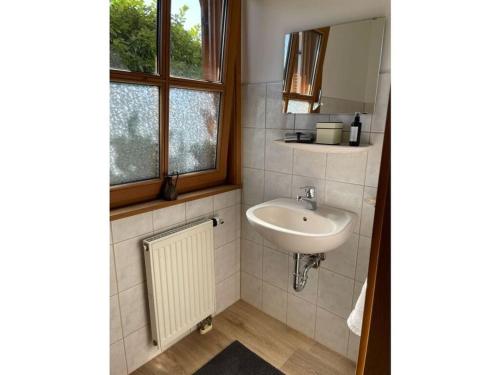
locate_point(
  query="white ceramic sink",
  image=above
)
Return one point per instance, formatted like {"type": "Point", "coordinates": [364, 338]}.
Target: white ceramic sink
{"type": "Point", "coordinates": [291, 227]}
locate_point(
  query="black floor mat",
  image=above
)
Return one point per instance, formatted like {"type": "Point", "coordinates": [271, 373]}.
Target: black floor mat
{"type": "Point", "coordinates": [236, 359]}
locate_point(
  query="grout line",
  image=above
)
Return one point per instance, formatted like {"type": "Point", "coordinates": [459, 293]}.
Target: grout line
{"type": "Point", "coordinates": [125, 353]}
{"type": "Point", "coordinates": [265, 107]}
{"type": "Point", "coordinates": [355, 269]}
{"type": "Point", "coordinates": [228, 277]}
{"type": "Point", "coordinates": [121, 327]}
{"type": "Point", "coordinates": [256, 169]}
{"type": "Point", "coordinates": [114, 268]}
{"type": "Point", "coordinates": [140, 236]}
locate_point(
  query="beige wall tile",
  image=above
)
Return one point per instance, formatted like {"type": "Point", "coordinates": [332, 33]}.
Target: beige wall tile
{"type": "Point", "coordinates": [368, 211]}
{"type": "Point", "coordinates": [274, 301]}
{"type": "Point", "coordinates": [226, 199]}
{"type": "Point", "coordinates": [335, 292]}
{"type": "Point", "coordinates": [226, 258]}
{"type": "Point", "coordinates": [251, 258]}
{"type": "Point", "coordinates": [308, 121]}
{"type": "Point", "coordinates": [277, 185]}
{"type": "Point", "coordinates": [117, 362]}
{"type": "Point", "coordinates": [129, 261]}
{"type": "Point", "coordinates": [227, 292]}
{"type": "Point", "coordinates": [345, 196]}
{"type": "Point", "coordinates": [301, 315]}
{"type": "Point", "coordinates": [275, 118]}
{"type": "Point", "coordinates": [342, 260]}
{"type": "Point", "coordinates": [345, 118]}
{"type": "Point", "coordinates": [382, 102]}
{"type": "Point", "coordinates": [357, 291]}
{"type": "Point", "coordinates": [199, 207]}
{"type": "Point", "coordinates": [132, 226]}
{"type": "Point", "coordinates": [139, 348]}
{"type": "Point", "coordinates": [349, 167]}
{"type": "Point", "coordinates": [225, 233]}
{"type": "Point", "coordinates": [363, 258]}
{"type": "Point", "coordinates": [331, 331]}
{"type": "Point", "coordinates": [275, 268]}
{"type": "Point", "coordinates": [238, 253]}
{"type": "Point", "coordinates": [115, 324]}
{"type": "Point", "coordinates": [278, 157]}
{"type": "Point", "coordinates": [366, 122]}
{"type": "Point", "coordinates": [253, 105]}
{"type": "Point", "coordinates": [310, 164]}
{"type": "Point", "coordinates": [237, 223]}
{"type": "Point", "coordinates": [169, 216]}
{"type": "Point", "coordinates": [374, 157]}
{"type": "Point", "coordinates": [353, 347]}
{"type": "Point", "coordinates": [134, 308]}
{"type": "Point", "coordinates": [253, 186]}
{"type": "Point", "coordinates": [113, 287]}
{"type": "Point", "coordinates": [247, 231]}
{"type": "Point", "coordinates": [251, 290]}
{"type": "Point", "coordinates": [310, 291]}
{"type": "Point", "coordinates": [300, 181]}
{"type": "Point", "coordinates": [271, 245]}
{"type": "Point", "coordinates": [253, 147]}
{"type": "Point", "coordinates": [237, 196]}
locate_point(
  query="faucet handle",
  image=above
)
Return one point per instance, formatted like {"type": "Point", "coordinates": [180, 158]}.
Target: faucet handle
{"type": "Point", "coordinates": [309, 190]}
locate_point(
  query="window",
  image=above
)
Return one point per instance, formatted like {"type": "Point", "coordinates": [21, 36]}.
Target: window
{"type": "Point", "coordinates": [172, 94]}
{"type": "Point", "coordinates": [304, 54]}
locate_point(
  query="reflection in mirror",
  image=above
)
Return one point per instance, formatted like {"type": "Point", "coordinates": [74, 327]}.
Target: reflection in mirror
{"type": "Point", "coordinates": [333, 69]}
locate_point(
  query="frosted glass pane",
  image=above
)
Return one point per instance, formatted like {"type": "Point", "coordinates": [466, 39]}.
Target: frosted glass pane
{"type": "Point", "coordinates": [134, 133]}
{"type": "Point", "coordinates": [193, 127]}
{"type": "Point", "coordinates": [295, 106]}
{"type": "Point", "coordinates": [133, 35]}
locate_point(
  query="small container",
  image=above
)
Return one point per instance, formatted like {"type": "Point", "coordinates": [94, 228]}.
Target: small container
{"type": "Point", "coordinates": [329, 133]}
{"type": "Point", "coordinates": [170, 187]}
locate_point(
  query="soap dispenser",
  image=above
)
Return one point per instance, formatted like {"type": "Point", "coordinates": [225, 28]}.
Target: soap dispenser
{"type": "Point", "coordinates": [355, 136]}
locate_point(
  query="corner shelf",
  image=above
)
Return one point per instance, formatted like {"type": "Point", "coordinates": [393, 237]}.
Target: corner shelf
{"type": "Point", "coordinates": [329, 149]}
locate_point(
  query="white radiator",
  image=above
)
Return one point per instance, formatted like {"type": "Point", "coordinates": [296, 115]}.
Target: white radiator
{"type": "Point", "coordinates": [180, 271]}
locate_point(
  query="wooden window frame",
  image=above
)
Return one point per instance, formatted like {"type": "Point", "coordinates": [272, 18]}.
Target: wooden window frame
{"type": "Point", "coordinates": [318, 74]}
{"type": "Point", "coordinates": [228, 87]}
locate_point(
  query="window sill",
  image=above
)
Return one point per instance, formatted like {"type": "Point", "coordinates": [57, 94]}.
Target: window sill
{"type": "Point", "coordinates": [120, 213]}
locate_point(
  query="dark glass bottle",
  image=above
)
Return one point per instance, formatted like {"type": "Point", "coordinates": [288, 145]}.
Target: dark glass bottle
{"type": "Point", "coordinates": [355, 136]}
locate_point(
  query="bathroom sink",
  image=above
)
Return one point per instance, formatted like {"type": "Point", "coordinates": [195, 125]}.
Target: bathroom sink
{"type": "Point", "coordinates": [291, 227]}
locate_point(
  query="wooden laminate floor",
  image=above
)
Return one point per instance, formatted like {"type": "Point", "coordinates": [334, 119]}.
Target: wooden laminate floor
{"type": "Point", "coordinates": [281, 346]}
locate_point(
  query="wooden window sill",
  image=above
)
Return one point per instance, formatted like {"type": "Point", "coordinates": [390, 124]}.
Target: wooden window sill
{"type": "Point", "coordinates": [122, 212]}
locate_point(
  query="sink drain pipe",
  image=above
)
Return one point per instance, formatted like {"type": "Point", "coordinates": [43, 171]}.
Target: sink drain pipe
{"type": "Point", "coordinates": [300, 276]}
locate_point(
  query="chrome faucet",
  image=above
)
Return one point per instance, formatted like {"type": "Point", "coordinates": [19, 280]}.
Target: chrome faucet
{"type": "Point", "coordinates": [309, 198]}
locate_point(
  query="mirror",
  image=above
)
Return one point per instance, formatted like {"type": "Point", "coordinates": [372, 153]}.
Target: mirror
{"type": "Point", "coordinates": [333, 69]}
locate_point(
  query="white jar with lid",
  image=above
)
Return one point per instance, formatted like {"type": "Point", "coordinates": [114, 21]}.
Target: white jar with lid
{"type": "Point", "coordinates": [329, 133]}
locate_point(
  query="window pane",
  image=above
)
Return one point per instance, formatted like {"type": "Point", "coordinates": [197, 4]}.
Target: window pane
{"type": "Point", "coordinates": [196, 34]}
{"type": "Point", "coordinates": [134, 134]}
{"type": "Point", "coordinates": [305, 62]}
{"type": "Point", "coordinates": [296, 106]}
{"type": "Point", "coordinates": [193, 127]}
{"type": "Point", "coordinates": [133, 35]}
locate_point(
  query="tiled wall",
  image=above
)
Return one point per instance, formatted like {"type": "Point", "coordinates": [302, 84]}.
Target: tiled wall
{"type": "Point", "coordinates": [130, 335]}
{"type": "Point", "coordinates": [342, 180]}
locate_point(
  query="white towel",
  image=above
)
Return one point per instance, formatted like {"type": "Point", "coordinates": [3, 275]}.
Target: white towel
{"type": "Point", "coordinates": [355, 320]}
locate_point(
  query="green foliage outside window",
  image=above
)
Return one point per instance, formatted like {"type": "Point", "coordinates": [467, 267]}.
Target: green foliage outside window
{"type": "Point", "coordinates": [133, 40]}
